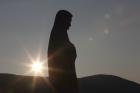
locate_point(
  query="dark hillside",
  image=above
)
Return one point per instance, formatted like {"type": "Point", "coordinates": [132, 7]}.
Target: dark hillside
{"type": "Point", "coordinates": [93, 84]}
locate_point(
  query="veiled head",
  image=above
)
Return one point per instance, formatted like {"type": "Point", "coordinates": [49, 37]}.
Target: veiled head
{"type": "Point", "coordinates": [63, 19]}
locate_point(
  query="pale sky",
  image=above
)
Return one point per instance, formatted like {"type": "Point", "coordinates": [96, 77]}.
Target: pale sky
{"type": "Point", "coordinates": [106, 34]}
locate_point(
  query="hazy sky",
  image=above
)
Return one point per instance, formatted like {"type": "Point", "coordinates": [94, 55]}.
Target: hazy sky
{"type": "Point", "coordinates": [106, 34]}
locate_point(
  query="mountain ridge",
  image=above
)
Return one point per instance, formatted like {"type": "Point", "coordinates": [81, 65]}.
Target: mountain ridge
{"type": "Point", "coordinates": [100, 83]}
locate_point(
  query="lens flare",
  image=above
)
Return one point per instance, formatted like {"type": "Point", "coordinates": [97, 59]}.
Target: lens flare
{"type": "Point", "coordinates": [37, 67]}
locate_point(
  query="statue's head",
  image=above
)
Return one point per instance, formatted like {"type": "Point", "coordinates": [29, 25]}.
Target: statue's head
{"type": "Point", "coordinates": [63, 19]}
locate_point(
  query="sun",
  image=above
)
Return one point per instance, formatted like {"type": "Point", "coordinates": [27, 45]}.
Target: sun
{"type": "Point", "coordinates": [37, 67]}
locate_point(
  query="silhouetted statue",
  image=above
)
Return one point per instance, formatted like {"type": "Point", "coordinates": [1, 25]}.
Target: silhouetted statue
{"type": "Point", "coordinates": [62, 55]}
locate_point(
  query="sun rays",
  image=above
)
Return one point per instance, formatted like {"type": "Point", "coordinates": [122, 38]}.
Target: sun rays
{"type": "Point", "coordinates": [37, 63]}
{"type": "Point", "coordinates": [37, 66]}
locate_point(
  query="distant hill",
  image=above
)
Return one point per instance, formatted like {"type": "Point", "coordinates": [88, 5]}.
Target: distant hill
{"type": "Point", "coordinates": [107, 84]}
{"type": "Point", "coordinates": [92, 84]}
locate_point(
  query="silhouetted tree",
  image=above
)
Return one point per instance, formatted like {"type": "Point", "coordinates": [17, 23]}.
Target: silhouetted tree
{"type": "Point", "coordinates": [62, 55]}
